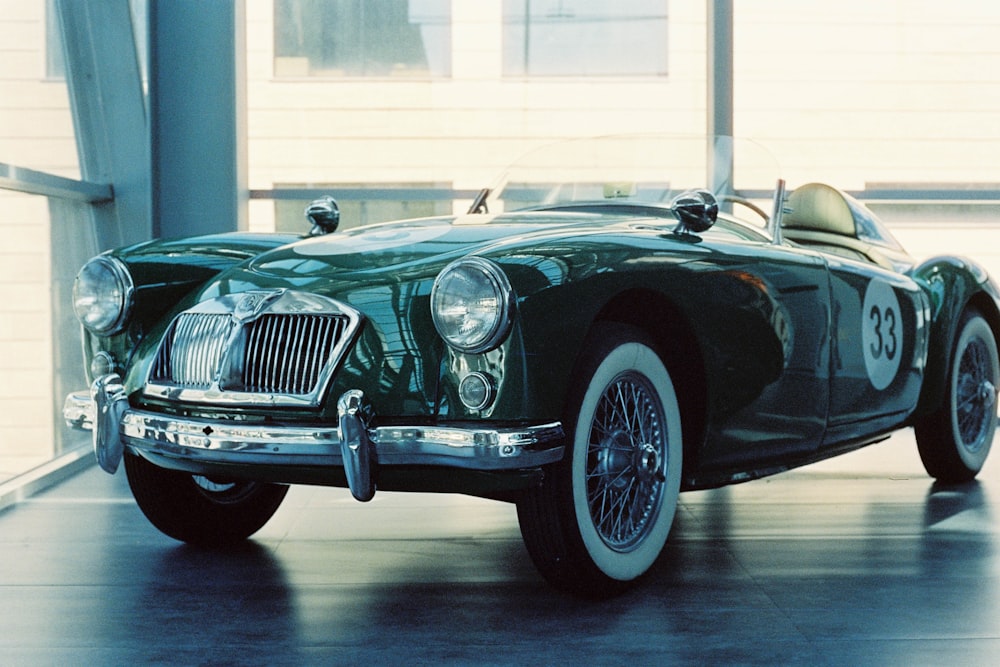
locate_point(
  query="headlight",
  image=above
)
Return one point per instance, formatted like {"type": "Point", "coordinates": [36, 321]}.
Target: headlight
{"type": "Point", "coordinates": [471, 305]}
{"type": "Point", "coordinates": [102, 295]}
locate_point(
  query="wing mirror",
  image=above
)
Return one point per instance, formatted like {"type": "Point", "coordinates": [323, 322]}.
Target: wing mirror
{"type": "Point", "coordinates": [696, 211]}
{"type": "Point", "coordinates": [324, 214]}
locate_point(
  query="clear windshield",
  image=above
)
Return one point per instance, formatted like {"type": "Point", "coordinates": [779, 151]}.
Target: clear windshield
{"type": "Point", "coordinates": [649, 169]}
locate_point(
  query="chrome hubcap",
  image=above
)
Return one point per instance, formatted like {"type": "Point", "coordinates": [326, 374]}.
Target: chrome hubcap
{"type": "Point", "coordinates": [224, 491]}
{"type": "Point", "coordinates": [648, 466]}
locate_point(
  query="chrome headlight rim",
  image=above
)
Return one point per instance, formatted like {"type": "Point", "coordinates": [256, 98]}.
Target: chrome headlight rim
{"type": "Point", "coordinates": [124, 286]}
{"type": "Point", "coordinates": [493, 335]}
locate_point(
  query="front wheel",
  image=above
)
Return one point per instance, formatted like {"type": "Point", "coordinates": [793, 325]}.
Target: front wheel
{"type": "Point", "coordinates": [200, 510]}
{"type": "Point", "coordinates": [601, 516]}
{"type": "Point", "coordinates": [954, 440]}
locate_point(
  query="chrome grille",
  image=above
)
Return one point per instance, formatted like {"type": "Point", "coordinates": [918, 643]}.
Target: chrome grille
{"type": "Point", "coordinates": [285, 354]}
{"type": "Point", "coordinates": [258, 348]}
{"type": "Point", "coordinates": [192, 351]}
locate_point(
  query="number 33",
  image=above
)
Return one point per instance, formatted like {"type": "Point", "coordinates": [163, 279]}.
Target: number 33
{"type": "Point", "coordinates": [884, 323]}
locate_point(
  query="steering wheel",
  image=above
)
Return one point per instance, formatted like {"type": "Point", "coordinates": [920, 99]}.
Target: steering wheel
{"type": "Point", "coordinates": [733, 199]}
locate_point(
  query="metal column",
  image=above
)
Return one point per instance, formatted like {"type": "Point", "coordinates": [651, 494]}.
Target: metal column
{"type": "Point", "coordinates": [105, 90]}
{"type": "Point", "coordinates": [720, 93]}
{"type": "Point", "coordinates": [197, 116]}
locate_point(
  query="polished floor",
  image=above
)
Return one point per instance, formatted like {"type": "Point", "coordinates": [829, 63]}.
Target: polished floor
{"type": "Point", "coordinates": [857, 561]}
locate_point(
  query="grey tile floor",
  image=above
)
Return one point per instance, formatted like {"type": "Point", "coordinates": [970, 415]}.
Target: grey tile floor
{"type": "Point", "coordinates": [857, 561]}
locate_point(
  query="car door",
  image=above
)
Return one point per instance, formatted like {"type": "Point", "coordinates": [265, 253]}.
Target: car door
{"type": "Point", "coordinates": [878, 348]}
{"type": "Point", "coordinates": [770, 403]}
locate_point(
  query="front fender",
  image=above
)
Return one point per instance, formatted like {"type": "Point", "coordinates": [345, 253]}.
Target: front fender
{"type": "Point", "coordinates": [953, 284]}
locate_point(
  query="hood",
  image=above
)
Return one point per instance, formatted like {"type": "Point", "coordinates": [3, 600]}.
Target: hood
{"type": "Point", "coordinates": [350, 265]}
{"type": "Point", "coordinates": [412, 246]}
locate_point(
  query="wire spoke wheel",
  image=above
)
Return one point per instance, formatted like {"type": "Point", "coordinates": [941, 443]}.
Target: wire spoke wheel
{"type": "Point", "coordinates": [955, 440]}
{"type": "Point", "coordinates": [975, 403]}
{"type": "Point", "coordinates": [625, 462]}
{"type": "Point", "coordinates": [602, 514]}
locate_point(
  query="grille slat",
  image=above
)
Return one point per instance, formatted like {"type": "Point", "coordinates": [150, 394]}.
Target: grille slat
{"type": "Point", "coordinates": [256, 349]}
{"type": "Point", "coordinates": [310, 350]}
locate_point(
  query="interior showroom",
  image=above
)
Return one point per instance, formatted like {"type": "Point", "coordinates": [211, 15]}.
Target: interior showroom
{"type": "Point", "coordinates": [499, 332]}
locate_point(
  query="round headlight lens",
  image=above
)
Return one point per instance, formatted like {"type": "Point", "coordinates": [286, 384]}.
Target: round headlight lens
{"type": "Point", "coordinates": [102, 295]}
{"type": "Point", "coordinates": [471, 303]}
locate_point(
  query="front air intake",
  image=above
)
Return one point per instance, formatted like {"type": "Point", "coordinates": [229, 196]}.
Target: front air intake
{"type": "Point", "coordinates": [252, 350]}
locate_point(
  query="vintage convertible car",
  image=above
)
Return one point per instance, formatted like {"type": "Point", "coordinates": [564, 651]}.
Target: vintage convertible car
{"type": "Point", "coordinates": [592, 337]}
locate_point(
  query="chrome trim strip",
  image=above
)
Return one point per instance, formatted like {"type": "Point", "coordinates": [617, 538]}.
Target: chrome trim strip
{"type": "Point", "coordinates": [777, 212]}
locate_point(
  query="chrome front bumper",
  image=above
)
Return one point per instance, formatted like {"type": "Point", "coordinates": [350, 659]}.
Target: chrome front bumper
{"type": "Point", "coordinates": [352, 444]}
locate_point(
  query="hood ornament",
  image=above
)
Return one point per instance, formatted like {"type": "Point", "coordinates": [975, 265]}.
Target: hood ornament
{"type": "Point", "coordinates": [250, 305]}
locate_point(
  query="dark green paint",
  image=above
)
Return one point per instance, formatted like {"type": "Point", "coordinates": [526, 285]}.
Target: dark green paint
{"type": "Point", "coordinates": [952, 285]}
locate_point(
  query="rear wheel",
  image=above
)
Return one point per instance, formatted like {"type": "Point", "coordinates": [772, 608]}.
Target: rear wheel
{"type": "Point", "coordinates": [955, 440]}
{"type": "Point", "coordinates": [601, 517]}
{"type": "Point", "coordinates": [200, 510]}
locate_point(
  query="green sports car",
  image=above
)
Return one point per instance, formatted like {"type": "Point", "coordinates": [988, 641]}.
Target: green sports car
{"type": "Point", "coordinates": [613, 322]}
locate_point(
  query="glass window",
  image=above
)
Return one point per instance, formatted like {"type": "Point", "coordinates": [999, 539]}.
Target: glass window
{"type": "Point", "coordinates": [585, 38]}
{"type": "Point", "coordinates": [40, 352]}
{"type": "Point", "coordinates": [369, 38]}
{"type": "Point", "coordinates": [46, 239]}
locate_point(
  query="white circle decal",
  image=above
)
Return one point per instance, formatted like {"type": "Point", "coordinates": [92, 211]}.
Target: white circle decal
{"type": "Point", "coordinates": [881, 334]}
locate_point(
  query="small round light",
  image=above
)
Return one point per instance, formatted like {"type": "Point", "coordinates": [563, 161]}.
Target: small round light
{"type": "Point", "coordinates": [471, 305]}
{"type": "Point", "coordinates": [476, 391]}
{"type": "Point", "coordinates": [102, 295]}
{"type": "Point", "coordinates": [102, 364]}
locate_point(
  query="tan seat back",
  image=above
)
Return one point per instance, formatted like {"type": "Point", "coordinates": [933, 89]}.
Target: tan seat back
{"type": "Point", "coordinates": [821, 208]}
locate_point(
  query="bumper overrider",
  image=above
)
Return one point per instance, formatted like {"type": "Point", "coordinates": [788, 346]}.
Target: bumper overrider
{"type": "Point", "coordinates": [353, 445]}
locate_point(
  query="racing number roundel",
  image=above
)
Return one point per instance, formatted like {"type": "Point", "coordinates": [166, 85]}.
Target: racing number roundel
{"type": "Point", "coordinates": [881, 334]}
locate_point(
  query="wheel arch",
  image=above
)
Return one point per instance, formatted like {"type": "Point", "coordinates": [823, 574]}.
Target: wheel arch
{"type": "Point", "coordinates": [989, 308]}
{"type": "Point", "coordinates": [663, 321]}
{"type": "Point", "coordinates": [954, 285]}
